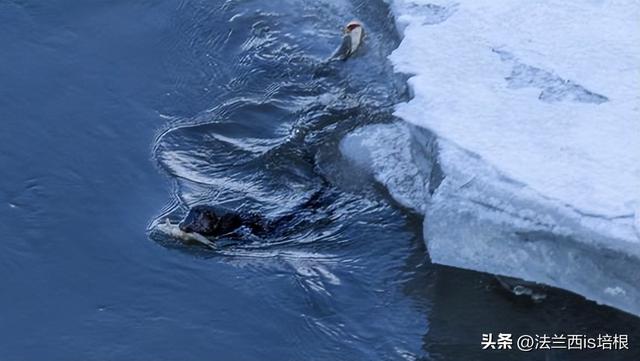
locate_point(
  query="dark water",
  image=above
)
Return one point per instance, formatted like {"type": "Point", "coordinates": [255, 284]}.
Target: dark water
{"type": "Point", "coordinates": [118, 113]}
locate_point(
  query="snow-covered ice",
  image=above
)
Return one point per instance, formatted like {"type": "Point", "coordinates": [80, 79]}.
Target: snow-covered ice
{"type": "Point", "coordinates": [522, 146]}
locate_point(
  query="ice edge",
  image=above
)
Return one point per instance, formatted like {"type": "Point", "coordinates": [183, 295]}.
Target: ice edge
{"type": "Point", "coordinates": [479, 217]}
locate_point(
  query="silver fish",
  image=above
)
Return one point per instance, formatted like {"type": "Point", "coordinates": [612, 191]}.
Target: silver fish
{"type": "Point", "coordinates": [172, 230]}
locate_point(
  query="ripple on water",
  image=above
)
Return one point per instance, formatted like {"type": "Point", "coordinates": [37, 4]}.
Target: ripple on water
{"type": "Point", "coordinates": [254, 123]}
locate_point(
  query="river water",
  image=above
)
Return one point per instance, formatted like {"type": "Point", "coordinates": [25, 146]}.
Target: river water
{"type": "Point", "coordinates": [118, 114]}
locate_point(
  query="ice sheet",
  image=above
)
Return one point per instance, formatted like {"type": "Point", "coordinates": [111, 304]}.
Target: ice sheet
{"type": "Point", "coordinates": [483, 79]}
{"type": "Point", "coordinates": [523, 149]}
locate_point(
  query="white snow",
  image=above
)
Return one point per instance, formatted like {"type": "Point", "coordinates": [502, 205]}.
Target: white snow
{"type": "Point", "coordinates": [530, 110]}
{"type": "Point", "coordinates": [585, 155]}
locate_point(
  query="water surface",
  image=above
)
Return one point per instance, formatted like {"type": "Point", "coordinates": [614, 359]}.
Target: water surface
{"type": "Point", "coordinates": [116, 114]}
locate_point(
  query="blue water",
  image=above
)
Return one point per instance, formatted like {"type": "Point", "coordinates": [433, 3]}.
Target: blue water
{"type": "Point", "coordinates": [117, 114]}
